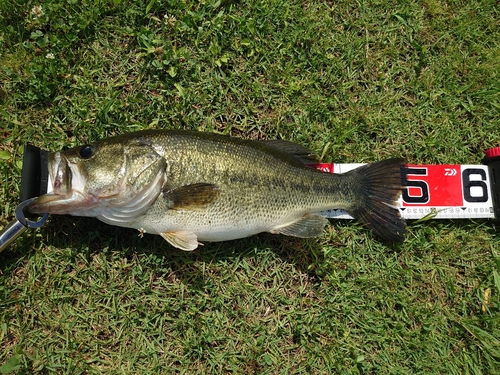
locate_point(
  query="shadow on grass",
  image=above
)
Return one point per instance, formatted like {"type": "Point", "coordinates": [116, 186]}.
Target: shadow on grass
{"type": "Point", "coordinates": [87, 237]}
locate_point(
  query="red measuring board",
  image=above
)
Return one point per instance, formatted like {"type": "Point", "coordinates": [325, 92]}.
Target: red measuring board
{"type": "Point", "coordinates": [445, 191]}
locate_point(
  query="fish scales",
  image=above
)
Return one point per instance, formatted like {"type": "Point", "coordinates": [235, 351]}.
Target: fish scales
{"type": "Point", "coordinates": [255, 183]}
{"type": "Point", "coordinates": [191, 186]}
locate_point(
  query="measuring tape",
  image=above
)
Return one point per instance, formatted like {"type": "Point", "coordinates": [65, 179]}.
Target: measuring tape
{"type": "Point", "coordinates": [451, 191]}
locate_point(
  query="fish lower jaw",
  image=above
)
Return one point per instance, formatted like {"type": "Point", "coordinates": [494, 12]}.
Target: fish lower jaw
{"type": "Point", "coordinates": [76, 204]}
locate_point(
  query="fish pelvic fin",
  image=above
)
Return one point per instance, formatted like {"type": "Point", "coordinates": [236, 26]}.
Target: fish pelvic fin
{"type": "Point", "coordinates": [183, 240]}
{"type": "Point", "coordinates": [380, 186]}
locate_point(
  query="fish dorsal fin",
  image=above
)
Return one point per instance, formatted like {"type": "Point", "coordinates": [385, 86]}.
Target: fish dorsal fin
{"type": "Point", "coordinates": [191, 196]}
{"type": "Point", "coordinates": [183, 240]}
{"type": "Point", "coordinates": [305, 227]}
{"type": "Point", "coordinates": [301, 153]}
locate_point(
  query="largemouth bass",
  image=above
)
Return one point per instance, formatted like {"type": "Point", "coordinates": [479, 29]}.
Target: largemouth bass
{"type": "Point", "coordinates": [190, 186]}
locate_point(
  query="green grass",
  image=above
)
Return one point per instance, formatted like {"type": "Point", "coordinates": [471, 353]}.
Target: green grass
{"type": "Point", "coordinates": [355, 81]}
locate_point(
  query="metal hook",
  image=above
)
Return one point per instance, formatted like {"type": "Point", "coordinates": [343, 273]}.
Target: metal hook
{"type": "Point", "coordinates": [22, 218]}
{"type": "Point", "coordinates": [19, 225]}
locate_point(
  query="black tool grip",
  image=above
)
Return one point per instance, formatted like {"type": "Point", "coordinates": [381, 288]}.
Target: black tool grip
{"type": "Point", "coordinates": [35, 173]}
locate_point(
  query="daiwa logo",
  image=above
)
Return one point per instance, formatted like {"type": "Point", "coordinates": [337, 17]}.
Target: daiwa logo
{"type": "Point", "coordinates": [450, 172]}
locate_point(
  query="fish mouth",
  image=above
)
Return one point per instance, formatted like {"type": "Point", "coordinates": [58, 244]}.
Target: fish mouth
{"type": "Point", "coordinates": [60, 204]}
{"type": "Point", "coordinates": [66, 189]}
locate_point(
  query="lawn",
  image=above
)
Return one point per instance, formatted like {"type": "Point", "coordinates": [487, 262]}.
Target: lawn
{"type": "Point", "coordinates": [355, 81]}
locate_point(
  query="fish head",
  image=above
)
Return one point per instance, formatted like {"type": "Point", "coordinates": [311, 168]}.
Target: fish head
{"type": "Point", "coordinates": [124, 174]}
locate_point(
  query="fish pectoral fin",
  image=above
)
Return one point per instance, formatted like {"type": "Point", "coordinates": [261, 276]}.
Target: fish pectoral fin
{"type": "Point", "coordinates": [191, 196]}
{"type": "Point", "coordinates": [305, 227]}
{"type": "Point", "coordinates": [183, 240]}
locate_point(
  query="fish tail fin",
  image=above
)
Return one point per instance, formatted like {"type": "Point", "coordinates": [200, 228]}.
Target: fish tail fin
{"type": "Point", "coordinates": [380, 187]}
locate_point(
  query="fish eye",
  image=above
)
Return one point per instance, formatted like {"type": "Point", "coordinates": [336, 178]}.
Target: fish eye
{"type": "Point", "coordinates": [86, 152]}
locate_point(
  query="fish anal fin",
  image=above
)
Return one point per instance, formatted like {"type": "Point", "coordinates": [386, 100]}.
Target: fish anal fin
{"type": "Point", "coordinates": [307, 226]}
{"type": "Point", "coordinates": [183, 240]}
{"type": "Point", "coordinates": [191, 196]}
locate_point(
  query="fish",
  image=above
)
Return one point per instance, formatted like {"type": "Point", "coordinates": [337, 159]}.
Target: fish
{"type": "Point", "coordinates": [190, 186]}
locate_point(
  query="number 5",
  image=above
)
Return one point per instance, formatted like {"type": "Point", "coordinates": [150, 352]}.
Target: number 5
{"type": "Point", "coordinates": [422, 185]}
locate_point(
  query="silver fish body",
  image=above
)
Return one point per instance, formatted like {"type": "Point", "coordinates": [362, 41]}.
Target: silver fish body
{"type": "Point", "coordinates": [191, 186]}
